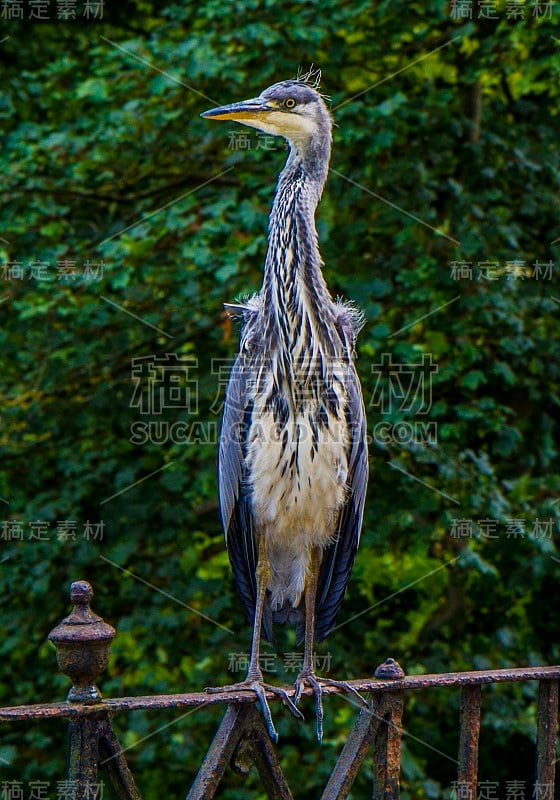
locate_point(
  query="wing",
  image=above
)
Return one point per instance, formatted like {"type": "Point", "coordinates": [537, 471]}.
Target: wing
{"type": "Point", "coordinates": [233, 489]}
{"type": "Point", "coordinates": [338, 558]}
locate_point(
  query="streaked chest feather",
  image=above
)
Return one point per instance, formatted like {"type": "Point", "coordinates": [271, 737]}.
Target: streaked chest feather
{"type": "Point", "coordinates": [297, 466]}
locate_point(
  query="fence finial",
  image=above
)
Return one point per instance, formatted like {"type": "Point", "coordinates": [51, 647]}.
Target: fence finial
{"type": "Point", "coordinates": [82, 642]}
{"type": "Point", "coordinates": [389, 669]}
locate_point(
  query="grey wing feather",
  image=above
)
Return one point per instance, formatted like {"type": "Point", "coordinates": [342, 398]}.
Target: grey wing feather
{"type": "Point", "coordinates": [234, 492]}
{"type": "Point", "coordinates": [338, 558]}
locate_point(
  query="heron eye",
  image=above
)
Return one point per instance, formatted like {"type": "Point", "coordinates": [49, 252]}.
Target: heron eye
{"type": "Point", "coordinates": [289, 103]}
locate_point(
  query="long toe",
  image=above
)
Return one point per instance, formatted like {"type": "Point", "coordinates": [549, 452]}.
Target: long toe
{"type": "Point", "coordinates": [288, 702]}
{"type": "Point", "coordinates": [318, 693]}
{"type": "Point", "coordinates": [259, 690]}
{"type": "Point", "coordinates": [346, 686]}
{"type": "Point", "coordinates": [309, 679]}
{"type": "Point", "coordinates": [218, 689]}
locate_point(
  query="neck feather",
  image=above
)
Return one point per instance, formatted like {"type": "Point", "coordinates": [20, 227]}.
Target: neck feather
{"type": "Point", "coordinates": [297, 303]}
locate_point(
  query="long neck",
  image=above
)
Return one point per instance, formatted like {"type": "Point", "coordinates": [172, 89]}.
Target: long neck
{"type": "Point", "coordinates": [296, 302]}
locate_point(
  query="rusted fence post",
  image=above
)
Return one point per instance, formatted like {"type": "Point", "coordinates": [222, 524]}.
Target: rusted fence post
{"type": "Point", "coordinates": [467, 776]}
{"type": "Point", "coordinates": [241, 740]}
{"type": "Point", "coordinates": [547, 728]}
{"type": "Point", "coordinates": [387, 739]}
{"type": "Point", "coordinates": [83, 757]}
{"type": "Point", "coordinates": [379, 725]}
{"type": "Point", "coordinates": [83, 641]}
{"type": "Point", "coordinates": [352, 756]}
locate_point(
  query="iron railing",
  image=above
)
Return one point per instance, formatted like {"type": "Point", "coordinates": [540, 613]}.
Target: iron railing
{"type": "Point", "coordinates": [83, 640]}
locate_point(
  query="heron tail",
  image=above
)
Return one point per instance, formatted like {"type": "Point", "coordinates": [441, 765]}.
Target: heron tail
{"type": "Point", "coordinates": [288, 614]}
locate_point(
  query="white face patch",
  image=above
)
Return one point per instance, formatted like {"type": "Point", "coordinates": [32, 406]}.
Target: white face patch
{"type": "Point", "coordinates": [294, 127]}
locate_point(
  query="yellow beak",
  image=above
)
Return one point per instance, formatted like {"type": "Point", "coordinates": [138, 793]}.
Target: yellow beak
{"type": "Point", "coordinates": [246, 109]}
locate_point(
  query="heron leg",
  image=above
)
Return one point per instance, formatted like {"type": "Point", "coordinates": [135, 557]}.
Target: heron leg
{"type": "Point", "coordinates": [307, 674]}
{"type": "Point", "coordinates": [254, 680]}
{"type": "Point", "coordinates": [263, 577]}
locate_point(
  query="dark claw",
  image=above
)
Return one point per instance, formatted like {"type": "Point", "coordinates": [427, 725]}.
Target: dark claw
{"type": "Point", "coordinates": [312, 681]}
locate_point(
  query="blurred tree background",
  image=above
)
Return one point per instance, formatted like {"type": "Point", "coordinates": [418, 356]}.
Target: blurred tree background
{"type": "Point", "coordinates": [127, 221]}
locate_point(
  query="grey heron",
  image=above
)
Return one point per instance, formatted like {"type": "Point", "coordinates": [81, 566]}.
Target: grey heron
{"type": "Point", "coordinates": [293, 462]}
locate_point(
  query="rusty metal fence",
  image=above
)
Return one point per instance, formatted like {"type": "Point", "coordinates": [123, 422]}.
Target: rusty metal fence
{"type": "Point", "coordinates": [83, 640]}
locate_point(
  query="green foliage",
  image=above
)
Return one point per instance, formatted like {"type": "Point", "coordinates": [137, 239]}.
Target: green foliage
{"type": "Point", "coordinates": [105, 159]}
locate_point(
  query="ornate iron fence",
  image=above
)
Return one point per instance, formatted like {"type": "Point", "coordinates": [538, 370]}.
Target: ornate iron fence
{"type": "Point", "coordinates": [83, 641]}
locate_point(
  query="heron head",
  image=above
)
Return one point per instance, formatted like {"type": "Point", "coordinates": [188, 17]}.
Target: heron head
{"type": "Point", "coordinates": [292, 109]}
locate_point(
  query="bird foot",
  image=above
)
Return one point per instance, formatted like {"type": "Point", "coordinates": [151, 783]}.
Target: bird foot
{"type": "Point", "coordinates": [308, 677]}
{"type": "Point", "coordinates": [256, 684]}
